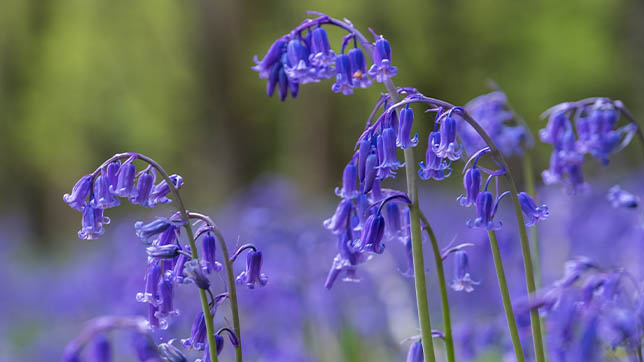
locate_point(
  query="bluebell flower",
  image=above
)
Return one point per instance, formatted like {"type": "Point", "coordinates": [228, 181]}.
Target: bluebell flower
{"type": "Point", "coordinates": [373, 232]}
{"type": "Point", "coordinates": [209, 247]}
{"type": "Point", "coordinates": [166, 305]}
{"type": "Point", "coordinates": [112, 171]}
{"type": "Point", "coordinates": [415, 353]}
{"type": "Point", "coordinates": [322, 56]}
{"type": "Point", "coordinates": [365, 149]}
{"type": "Point", "coordinates": [382, 69]}
{"type": "Point", "coordinates": [180, 262]}
{"type": "Point", "coordinates": [101, 350]}
{"type": "Point", "coordinates": [144, 189]}
{"type": "Point", "coordinates": [146, 350]}
{"type": "Point", "coordinates": [404, 131]}
{"type": "Point", "coordinates": [253, 275]}
{"type": "Point", "coordinates": [125, 182]}
{"type": "Point", "coordinates": [78, 198]}
{"type": "Point", "coordinates": [359, 69]}
{"type": "Point", "coordinates": [349, 181]}
{"type": "Point", "coordinates": [197, 339]}
{"type": "Point", "coordinates": [298, 68]}
{"type": "Point", "coordinates": [193, 272]}
{"type": "Point", "coordinates": [371, 172]}
{"type": "Point", "coordinates": [340, 219]}
{"type": "Point", "coordinates": [169, 251]}
{"type": "Point", "coordinates": [558, 122]}
{"type": "Point", "coordinates": [573, 270]}
{"type": "Point", "coordinates": [393, 221]}
{"type": "Point", "coordinates": [530, 209]}
{"type": "Point", "coordinates": [387, 147]}
{"type": "Point", "coordinates": [622, 198]}
{"type": "Point", "coordinates": [152, 278]}
{"type": "Point", "coordinates": [102, 197]}
{"type": "Point", "coordinates": [339, 266]}
{"type": "Point", "coordinates": [272, 58]}
{"type": "Point", "coordinates": [92, 223]}
{"type": "Point", "coordinates": [161, 190]}
{"type": "Point", "coordinates": [344, 77]}
{"type": "Point", "coordinates": [171, 353]}
{"type": "Point", "coordinates": [462, 279]}
{"type": "Point", "coordinates": [486, 207]}
{"type": "Point", "coordinates": [434, 167]}
{"type": "Point", "coordinates": [448, 148]}
{"type": "Point", "coordinates": [472, 184]}
{"type": "Point", "coordinates": [146, 232]}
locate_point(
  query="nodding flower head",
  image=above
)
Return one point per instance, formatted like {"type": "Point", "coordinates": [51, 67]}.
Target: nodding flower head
{"type": "Point", "coordinates": [209, 246]}
{"type": "Point", "coordinates": [433, 167]}
{"type": "Point", "coordinates": [272, 58]}
{"type": "Point", "coordinates": [415, 353]}
{"type": "Point", "coordinates": [102, 197]}
{"type": "Point", "coordinates": [78, 198]}
{"type": "Point", "coordinates": [100, 349]}
{"type": "Point", "coordinates": [144, 189]}
{"type": "Point", "coordinates": [166, 306]}
{"type": "Point", "coordinates": [169, 251]}
{"type": "Point", "coordinates": [159, 194]}
{"type": "Point", "coordinates": [193, 272]}
{"type": "Point", "coordinates": [344, 77]}
{"type": "Point", "coordinates": [125, 182]}
{"type": "Point", "coordinates": [404, 131]}
{"type": "Point", "coordinates": [393, 221]}
{"type": "Point", "coordinates": [322, 57]}
{"type": "Point", "coordinates": [371, 238]}
{"type": "Point", "coordinates": [486, 207]}
{"type": "Point", "coordinates": [147, 232]}
{"type": "Point", "coordinates": [462, 279]}
{"type": "Point", "coordinates": [340, 219]}
{"type": "Point", "coordinates": [92, 223]}
{"type": "Point", "coordinates": [448, 147]}
{"type": "Point", "coordinates": [371, 171]}
{"type": "Point", "coordinates": [472, 184]}
{"type": "Point", "coordinates": [298, 68]}
{"type": "Point", "coordinates": [382, 69]}
{"type": "Point", "coordinates": [557, 124]}
{"type": "Point", "coordinates": [530, 209]}
{"type": "Point", "coordinates": [151, 293]}
{"type": "Point", "coordinates": [253, 275]}
{"type": "Point", "coordinates": [349, 180]}
{"type": "Point", "coordinates": [197, 339]}
{"type": "Point", "coordinates": [622, 198]}
{"type": "Point", "coordinates": [387, 146]}
{"type": "Point", "coordinates": [359, 69]}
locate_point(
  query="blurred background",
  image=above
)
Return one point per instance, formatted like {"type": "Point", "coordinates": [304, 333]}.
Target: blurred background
{"type": "Point", "coordinates": [82, 80]}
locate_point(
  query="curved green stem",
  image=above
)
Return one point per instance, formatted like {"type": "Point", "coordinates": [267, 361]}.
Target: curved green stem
{"type": "Point", "coordinates": [232, 292]}
{"type": "Point", "coordinates": [505, 295]}
{"type": "Point", "coordinates": [440, 273]}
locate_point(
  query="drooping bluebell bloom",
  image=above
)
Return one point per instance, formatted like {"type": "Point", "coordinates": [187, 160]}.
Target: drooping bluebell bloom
{"type": "Point", "coordinates": [393, 221]}
{"type": "Point", "coordinates": [406, 121]}
{"type": "Point", "coordinates": [92, 223]}
{"type": "Point", "coordinates": [344, 77]}
{"type": "Point", "coordinates": [359, 69]}
{"type": "Point", "coordinates": [433, 167]}
{"type": "Point", "coordinates": [219, 346]}
{"type": "Point", "coordinates": [530, 209]}
{"type": "Point", "coordinates": [177, 270]}
{"type": "Point", "coordinates": [338, 266]}
{"type": "Point", "coordinates": [622, 198]}
{"type": "Point", "coordinates": [171, 353]}
{"type": "Point", "coordinates": [152, 278]}
{"type": "Point", "coordinates": [100, 350]}
{"type": "Point", "coordinates": [193, 272]}
{"type": "Point", "coordinates": [462, 279]}
{"type": "Point", "coordinates": [78, 198]}
{"type": "Point", "coordinates": [298, 68]}
{"type": "Point", "coordinates": [387, 146]}
{"type": "Point", "coordinates": [209, 247]}
{"type": "Point", "coordinates": [272, 57]}
{"type": "Point", "coordinates": [144, 189]}
{"type": "Point", "coordinates": [382, 69]}
{"type": "Point", "coordinates": [161, 190]}
{"type": "Point", "coordinates": [112, 171]}
{"type": "Point", "coordinates": [197, 339]}
{"type": "Point", "coordinates": [125, 182]}
{"type": "Point", "coordinates": [557, 123]}
{"type": "Point", "coordinates": [472, 184]}
{"type": "Point", "coordinates": [415, 353]}
{"type": "Point", "coordinates": [322, 56]}
{"type": "Point", "coordinates": [146, 232]}
{"type": "Point", "coordinates": [448, 148]}
{"type": "Point", "coordinates": [168, 251]}
{"type": "Point", "coordinates": [340, 219]}
{"type": "Point", "coordinates": [102, 197]}
{"type": "Point", "coordinates": [253, 275]}
{"type": "Point", "coordinates": [486, 207]}
{"type": "Point", "coordinates": [371, 172]}
{"type": "Point", "coordinates": [365, 149]}
{"type": "Point", "coordinates": [573, 270]}
{"type": "Point", "coordinates": [349, 181]}
{"type": "Point", "coordinates": [371, 238]}
{"type": "Point", "coordinates": [166, 294]}
{"type": "Point", "coordinates": [146, 350]}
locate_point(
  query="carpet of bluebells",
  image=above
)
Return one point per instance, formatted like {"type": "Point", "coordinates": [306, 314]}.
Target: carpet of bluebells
{"type": "Point", "coordinates": [400, 268]}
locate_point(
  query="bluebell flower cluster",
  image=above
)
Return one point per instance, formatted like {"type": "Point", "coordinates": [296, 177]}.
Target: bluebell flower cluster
{"type": "Point", "coordinates": [575, 129]}
{"type": "Point", "coordinates": [591, 312]}
{"type": "Point", "coordinates": [304, 55]}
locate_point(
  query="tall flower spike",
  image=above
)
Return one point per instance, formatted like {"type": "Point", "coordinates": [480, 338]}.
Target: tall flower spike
{"type": "Point", "coordinates": [359, 69]}
{"type": "Point", "coordinates": [344, 78]}
{"type": "Point", "coordinates": [253, 275]}
{"type": "Point", "coordinates": [406, 122]}
{"type": "Point", "coordinates": [472, 183]}
{"type": "Point", "coordinates": [349, 180]}
{"type": "Point", "coordinates": [92, 223]}
{"type": "Point", "coordinates": [530, 209]}
{"type": "Point", "coordinates": [78, 198]}
{"type": "Point", "coordinates": [382, 69]}
{"type": "Point", "coordinates": [209, 245]}
{"type": "Point", "coordinates": [102, 197]}
{"type": "Point", "coordinates": [415, 353]}
{"type": "Point", "coordinates": [462, 280]}
{"type": "Point", "coordinates": [125, 183]}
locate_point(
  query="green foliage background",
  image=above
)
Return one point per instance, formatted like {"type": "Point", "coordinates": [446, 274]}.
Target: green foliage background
{"type": "Point", "coordinates": [83, 79]}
